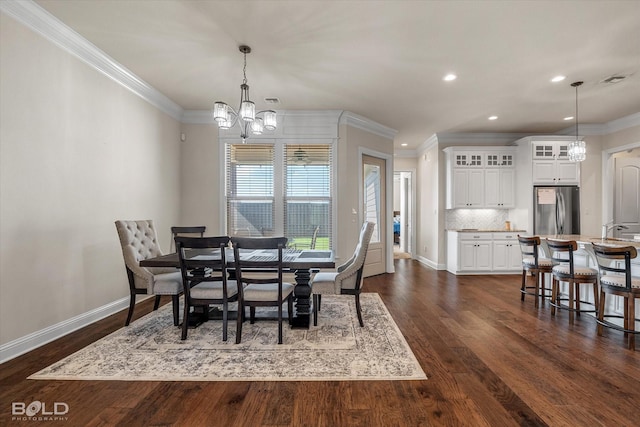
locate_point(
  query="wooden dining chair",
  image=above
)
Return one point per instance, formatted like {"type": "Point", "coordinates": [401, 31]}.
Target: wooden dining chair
{"type": "Point", "coordinates": [616, 279]}
{"type": "Point", "coordinates": [565, 270]}
{"type": "Point", "coordinates": [537, 266]}
{"type": "Point", "coordinates": [260, 279]}
{"type": "Point", "coordinates": [189, 231]}
{"type": "Point", "coordinates": [203, 265]}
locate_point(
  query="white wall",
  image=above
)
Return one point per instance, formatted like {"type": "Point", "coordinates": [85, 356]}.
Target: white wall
{"type": "Point", "coordinates": [77, 152]}
{"type": "Point", "coordinates": [202, 169]}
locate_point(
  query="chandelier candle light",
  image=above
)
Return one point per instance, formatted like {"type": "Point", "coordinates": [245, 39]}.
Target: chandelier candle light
{"type": "Point", "coordinates": [577, 148]}
{"type": "Point", "coordinates": [246, 117]}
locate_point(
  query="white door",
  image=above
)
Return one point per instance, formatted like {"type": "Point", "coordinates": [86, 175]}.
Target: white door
{"type": "Point", "coordinates": [374, 191]}
{"type": "Point", "coordinates": [627, 195]}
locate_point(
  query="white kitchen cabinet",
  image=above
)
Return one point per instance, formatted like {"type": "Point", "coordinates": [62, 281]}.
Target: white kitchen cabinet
{"type": "Point", "coordinates": [469, 252]}
{"type": "Point", "coordinates": [480, 178]}
{"type": "Point", "coordinates": [475, 255]}
{"type": "Point", "coordinates": [483, 252]}
{"type": "Point", "coordinates": [500, 159]}
{"type": "Point", "coordinates": [506, 252]}
{"type": "Point", "coordinates": [469, 159]}
{"type": "Point", "coordinates": [551, 165]}
{"type": "Point", "coordinates": [467, 188]}
{"type": "Point", "coordinates": [499, 188]}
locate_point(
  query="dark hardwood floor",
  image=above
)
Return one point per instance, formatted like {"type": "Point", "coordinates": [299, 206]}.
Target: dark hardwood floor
{"type": "Point", "coordinates": [490, 359]}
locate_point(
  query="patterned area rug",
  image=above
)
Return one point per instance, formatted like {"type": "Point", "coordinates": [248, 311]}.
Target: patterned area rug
{"type": "Point", "coordinates": [150, 349]}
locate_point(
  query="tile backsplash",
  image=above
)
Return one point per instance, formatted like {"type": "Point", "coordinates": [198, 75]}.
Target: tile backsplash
{"type": "Point", "coordinates": [483, 219]}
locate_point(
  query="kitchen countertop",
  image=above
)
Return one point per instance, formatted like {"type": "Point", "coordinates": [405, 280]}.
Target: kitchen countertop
{"type": "Point", "coordinates": [590, 239]}
{"type": "Point", "coordinates": [484, 230]}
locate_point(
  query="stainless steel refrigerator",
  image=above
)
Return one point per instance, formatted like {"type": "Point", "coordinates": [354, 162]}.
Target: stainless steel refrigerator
{"type": "Point", "coordinates": [556, 210]}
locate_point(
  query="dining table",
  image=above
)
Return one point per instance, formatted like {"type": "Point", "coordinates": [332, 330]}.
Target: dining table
{"type": "Point", "coordinates": [299, 262]}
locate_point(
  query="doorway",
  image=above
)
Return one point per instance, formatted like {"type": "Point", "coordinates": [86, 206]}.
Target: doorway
{"type": "Point", "coordinates": [402, 214]}
{"type": "Point", "coordinates": [374, 203]}
{"type": "Point", "coordinates": [627, 193]}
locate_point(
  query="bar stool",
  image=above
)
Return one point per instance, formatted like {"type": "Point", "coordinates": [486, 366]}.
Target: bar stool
{"type": "Point", "coordinates": [565, 271]}
{"type": "Point", "coordinates": [614, 263]}
{"type": "Point", "coordinates": [533, 263]}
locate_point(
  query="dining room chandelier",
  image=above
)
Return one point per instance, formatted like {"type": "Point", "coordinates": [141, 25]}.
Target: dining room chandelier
{"type": "Point", "coordinates": [577, 148]}
{"type": "Point", "coordinates": [250, 122]}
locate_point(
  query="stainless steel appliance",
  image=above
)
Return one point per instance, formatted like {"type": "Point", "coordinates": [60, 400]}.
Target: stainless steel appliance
{"type": "Point", "coordinates": [556, 210]}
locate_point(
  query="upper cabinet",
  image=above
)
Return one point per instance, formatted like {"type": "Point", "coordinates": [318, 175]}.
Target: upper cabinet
{"type": "Point", "coordinates": [480, 177]}
{"type": "Point", "coordinates": [551, 164]}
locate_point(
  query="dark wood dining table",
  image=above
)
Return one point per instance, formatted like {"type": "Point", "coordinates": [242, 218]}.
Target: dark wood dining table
{"type": "Point", "coordinates": [300, 262]}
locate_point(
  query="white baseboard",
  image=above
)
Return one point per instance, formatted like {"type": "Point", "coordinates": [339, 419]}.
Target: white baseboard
{"type": "Point", "coordinates": [39, 338]}
{"type": "Point", "coordinates": [431, 264]}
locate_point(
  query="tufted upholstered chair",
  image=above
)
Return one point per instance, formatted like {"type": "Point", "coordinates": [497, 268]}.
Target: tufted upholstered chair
{"type": "Point", "coordinates": [347, 280]}
{"type": "Point", "coordinates": [138, 241]}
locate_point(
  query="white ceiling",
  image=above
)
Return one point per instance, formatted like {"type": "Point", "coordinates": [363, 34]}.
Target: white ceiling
{"type": "Point", "coordinates": [383, 60]}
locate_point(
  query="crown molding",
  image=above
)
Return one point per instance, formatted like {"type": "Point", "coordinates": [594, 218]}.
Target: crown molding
{"type": "Point", "coordinates": [613, 126]}
{"type": "Point", "coordinates": [51, 28]}
{"type": "Point", "coordinates": [356, 121]}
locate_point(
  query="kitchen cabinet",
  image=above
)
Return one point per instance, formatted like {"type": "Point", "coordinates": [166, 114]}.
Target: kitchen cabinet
{"type": "Point", "coordinates": [468, 188]}
{"type": "Point", "coordinates": [499, 188]}
{"type": "Point", "coordinates": [471, 252]}
{"type": "Point", "coordinates": [551, 164]}
{"type": "Point", "coordinates": [506, 252]}
{"type": "Point", "coordinates": [480, 178]}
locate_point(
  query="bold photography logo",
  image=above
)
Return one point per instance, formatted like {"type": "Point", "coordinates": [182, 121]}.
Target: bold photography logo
{"type": "Point", "coordinates": [39, 411]}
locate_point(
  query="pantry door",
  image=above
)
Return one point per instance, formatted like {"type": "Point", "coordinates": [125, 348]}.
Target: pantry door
{"type": "Point", "coordinates": [375, 202]}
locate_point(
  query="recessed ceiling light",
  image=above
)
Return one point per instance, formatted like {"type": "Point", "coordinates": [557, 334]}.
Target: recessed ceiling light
{"type": "Point", "coordinates": [493, 117]}
{"type": "Point", "coordinates": [449, 77]}
{"type": "Point", "coordinates": [557, 79]}
{"type": "Point", "coordinates": [404, 144]}
{"type": "Point", "coordinates": [568, 118]}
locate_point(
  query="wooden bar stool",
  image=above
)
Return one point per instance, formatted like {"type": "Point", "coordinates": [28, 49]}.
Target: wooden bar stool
{"type": "Point", "coordinates": [536, 265]}
{"type": "Point", "coordinates": [561, 252]}
{"type": "Point", "coordinates": [614, 263]}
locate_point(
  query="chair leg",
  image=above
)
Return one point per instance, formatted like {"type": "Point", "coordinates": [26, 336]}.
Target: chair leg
{"type": "Point", "coordinates": [524, 284]}
{"type": "Point", "coordinates": [225, 319]}
{"type": "Point", "coordinates": [156, 304]}
{"type": "Point", "coordinates": [290, 308]}
{"type": "Point", "coordinates": [239, 321]}
{"type": "Point", "coordinates": [359, 310]}
{"type": "Point", "coordinates": [132, 304]}
{"type": "Point", "coordinates": [572, 304]}
{"type": "Point", "coordinates": [319, 301]}
{"type": "Point", "coordinates": [185, 321]}
{"type": "Point", "coordinates": [537, 288]}
{"type": "Point", "coordinates": [596, 300]}
{"type": "Point", "coordinates": [316, 301]}
{"type": "Point", "coordinates": [577, 285]}
{"type": "Point", "coordinates": [176, 308]}
{"type": "Point", "coordinates": [252, 314]}
{"type": "Point", "coordinates": [279, 323]}
{"type": "Point", "coordinates": [601, 302]}
{"type": "Point", "coordinates": [631, 322]}
{"type": "Point", "coordinates": [554, 295]}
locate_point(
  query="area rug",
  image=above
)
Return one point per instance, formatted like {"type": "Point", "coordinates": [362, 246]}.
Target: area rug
{"type": "Point", "coordinates": [150, 349]}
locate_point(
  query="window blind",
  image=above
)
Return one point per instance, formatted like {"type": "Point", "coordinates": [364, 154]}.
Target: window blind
{"type": "Point", "coordinates": [250, 190]}
{"type": "Point", "coordinates": [307, 195]}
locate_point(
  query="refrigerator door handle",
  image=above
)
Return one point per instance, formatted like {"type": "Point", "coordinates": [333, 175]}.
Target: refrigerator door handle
{"type": "Point", "coordinates": [560, 213]}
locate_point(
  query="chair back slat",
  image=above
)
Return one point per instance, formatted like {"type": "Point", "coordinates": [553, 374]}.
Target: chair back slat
{"type": "Point", "coordinates": [609, 260]}
{"type": "Point", "coordinates": [258, 268]}
{"type": "Point", "coordinates": [561, 252]}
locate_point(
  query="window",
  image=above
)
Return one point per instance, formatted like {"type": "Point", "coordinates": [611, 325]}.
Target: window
{"type": "Point", "coordinates": [250, 190]}
{"type": "Point", "coordinates": [296, 203]}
